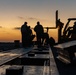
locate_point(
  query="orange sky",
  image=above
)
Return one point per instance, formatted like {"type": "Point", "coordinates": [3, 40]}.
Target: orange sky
{"type": "Point", "coordinates": [13, 13]}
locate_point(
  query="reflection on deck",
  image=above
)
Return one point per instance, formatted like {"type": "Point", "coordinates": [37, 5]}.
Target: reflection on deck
{"type": "Point", "coordinates": [10, 55]}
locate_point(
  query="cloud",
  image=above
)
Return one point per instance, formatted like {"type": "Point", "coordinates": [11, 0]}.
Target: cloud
{"type": "Point", "coordinates": [20, 17]}
{"type": "Point", "coordinates": [25, 18]}
{"type": "Point", "coordinates": [17, 28]}
{"type": "Point", "coordinates": [0, 26]}
{"type": "Point", "coordinates": [28, 18]}
{"type": "Point", "coordinates": [32, 18]}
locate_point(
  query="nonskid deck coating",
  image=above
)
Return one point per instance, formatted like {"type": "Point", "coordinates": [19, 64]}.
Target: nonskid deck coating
{"type": "Point", "coordinates": [36, 70]}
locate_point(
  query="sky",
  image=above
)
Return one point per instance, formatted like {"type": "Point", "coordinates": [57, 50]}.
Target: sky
{"type": "Point", "coordinates": [13, 13]}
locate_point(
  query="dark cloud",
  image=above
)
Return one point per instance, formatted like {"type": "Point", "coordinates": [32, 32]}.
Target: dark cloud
{"type": "Point", "coordinates": [17, 28]}
{"type": "Point", "coordinates": [37, 19]}
{"type": "Point", "coordinates": [21, 17]}
{"type": "Point", "coordinates": [0, 26]}
{"type": "Point", "coordinates": [30, 18]}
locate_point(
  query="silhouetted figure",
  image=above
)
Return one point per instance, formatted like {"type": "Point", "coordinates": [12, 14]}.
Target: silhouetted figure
{"type": "Point", "coordinates": [39, 33]}
{"type": "Point", "coordinates": [27, 36]}
{"type": "Point", "coordinates": [46, 38]}
{"type": "Point", "coordinates": [72, 31]}
{"type": "Point", "coordinates": [51, 41]}
{"type": "Point", "coordinates": [69, 31]}
{"type": "Point", "coordinates": [30, 36]}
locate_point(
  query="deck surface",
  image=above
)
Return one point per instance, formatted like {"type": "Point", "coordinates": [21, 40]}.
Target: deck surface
{"type": "Point", "coordinates": [12, 54]}
{"type": "Point", "coordinates": [66, 45]}
{"type": "Point", "coordinates": [64, 69]}
{"type": "Point", "coordinates": [30, 69]}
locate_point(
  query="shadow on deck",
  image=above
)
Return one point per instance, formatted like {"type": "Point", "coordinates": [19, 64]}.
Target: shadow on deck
{"type": "Point", "coordinates": [64, 69]}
